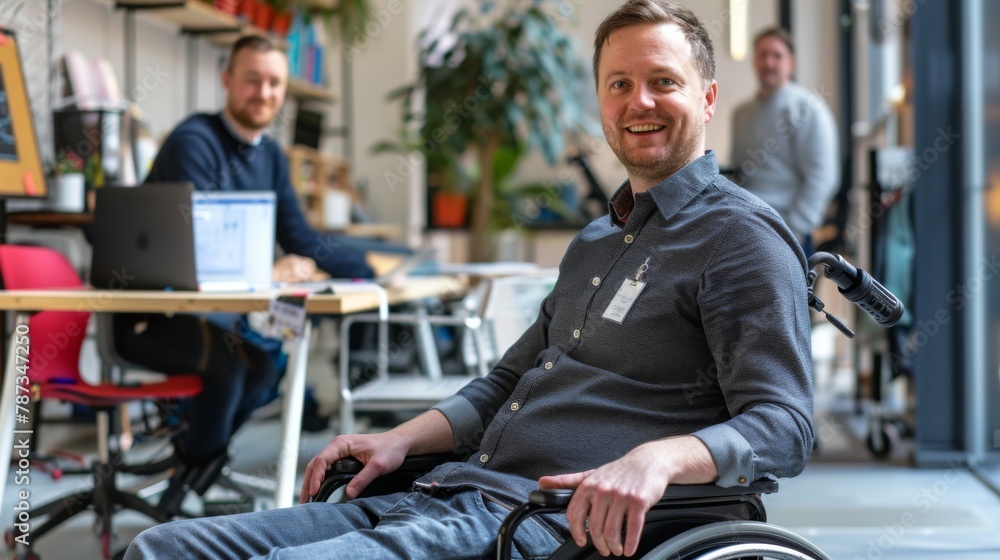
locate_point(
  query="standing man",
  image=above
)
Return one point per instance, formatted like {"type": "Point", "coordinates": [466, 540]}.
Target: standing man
{"type": "Point", "coordinates": [229, 151]}
{"type": "Point", "coordinates": [784, 140]}
{"type": "Point", "coordinates": [674, 349]}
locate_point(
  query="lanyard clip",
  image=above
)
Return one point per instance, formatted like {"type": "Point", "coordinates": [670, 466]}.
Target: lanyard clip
{"type": "Point", "coordinates": [642, 270]}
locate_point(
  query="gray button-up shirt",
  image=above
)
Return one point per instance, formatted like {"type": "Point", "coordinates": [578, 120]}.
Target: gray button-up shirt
{"type": "Point", "coordinates": [716, 345]}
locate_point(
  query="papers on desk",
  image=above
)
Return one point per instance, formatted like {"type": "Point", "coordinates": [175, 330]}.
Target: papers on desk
{"type": "Point", "coordinates": [487, 270]}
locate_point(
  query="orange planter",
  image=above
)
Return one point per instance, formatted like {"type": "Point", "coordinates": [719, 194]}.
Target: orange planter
{"type": "Point", "coordinates": [264, 15]}
{"type": "Point", "coordinates": [248, 9]}
{"type": "Point", "coordinates": [449, 210]}
{"type": "Point", "coordinates": [282, 23]}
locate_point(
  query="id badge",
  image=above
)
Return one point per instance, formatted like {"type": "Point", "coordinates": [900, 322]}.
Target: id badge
{"type": "Point", "coordinates": [287, 316]}
{"type": "Point", "coordinates": [623, 300]}
{"type": "Point", "coordinates": [626, 295]}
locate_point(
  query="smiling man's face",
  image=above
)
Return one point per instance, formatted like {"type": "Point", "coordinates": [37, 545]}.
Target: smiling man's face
{"type": "Point", "coordinates": [255, 87]}
{"type": "Point", "coordinates": [654, 102]}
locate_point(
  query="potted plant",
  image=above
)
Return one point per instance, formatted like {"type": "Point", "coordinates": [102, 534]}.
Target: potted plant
{"type": "Point", "coordinates": [69, 195]}
{"type": "Point", "coordinates": [495, 82]}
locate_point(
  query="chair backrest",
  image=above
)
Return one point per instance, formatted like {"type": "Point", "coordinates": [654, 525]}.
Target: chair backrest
{"type": "Point", "coordinates": [512, 306]}
{"type": "Point", "coordinates": [56, 336]}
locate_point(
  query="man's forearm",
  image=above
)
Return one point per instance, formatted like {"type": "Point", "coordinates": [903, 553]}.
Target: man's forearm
{"type": "Point", "coordinates": [428, 433]}
{"type": "Point", "coordinates": [685, 460]}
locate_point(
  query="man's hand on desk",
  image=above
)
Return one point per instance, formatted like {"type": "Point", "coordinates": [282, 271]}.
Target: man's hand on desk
{"type": "Point", "coordinates": [293, 268]}
{"type": "Point", "coordinates": [383, 263]}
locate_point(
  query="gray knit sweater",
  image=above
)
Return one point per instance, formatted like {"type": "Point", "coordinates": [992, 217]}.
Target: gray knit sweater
{"type": "Point", "coordinates": [785, 149]}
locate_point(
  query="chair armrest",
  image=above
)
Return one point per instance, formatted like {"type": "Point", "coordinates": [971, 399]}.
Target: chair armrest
{"type": "Point", "coordinates": [561, 497]}
{"type": "Point", "coordinates": [413, 467]}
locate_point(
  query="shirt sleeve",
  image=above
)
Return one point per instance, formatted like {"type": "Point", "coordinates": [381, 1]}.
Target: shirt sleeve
{"type": "Point", "coordinates": [296, 236]}
{"type": "Point", "coordinates": [755, 315]}
{"type": "Point", "coordinates": [187, 157]}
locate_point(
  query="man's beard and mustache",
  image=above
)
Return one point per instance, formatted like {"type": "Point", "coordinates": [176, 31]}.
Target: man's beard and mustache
{"type": "Point", "coordinates": [246, 118]}
{"type": "Point", "coordinates": [670, 157]}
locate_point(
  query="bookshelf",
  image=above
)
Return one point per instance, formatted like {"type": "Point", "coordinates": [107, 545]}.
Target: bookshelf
{"type": "Point", "coordinates": [196, 17]}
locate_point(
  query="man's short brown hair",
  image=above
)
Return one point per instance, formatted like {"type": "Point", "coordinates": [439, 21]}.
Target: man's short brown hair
{"type": "Point", "coordinates": [249, 42]}
{"type": "Point", "coordinates": [779, 33]}
{"type": "Point", "coordinates": [641, 12]}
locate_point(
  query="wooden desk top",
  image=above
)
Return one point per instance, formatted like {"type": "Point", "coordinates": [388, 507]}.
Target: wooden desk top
{"type": "Point", "coordinates": [154, 301]}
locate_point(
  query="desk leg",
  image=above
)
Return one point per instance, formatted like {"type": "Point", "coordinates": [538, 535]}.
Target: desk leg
{"type": "Point", "coordinates": [291, 421]}
{"type": "Point", "coordinates": [7, 405]}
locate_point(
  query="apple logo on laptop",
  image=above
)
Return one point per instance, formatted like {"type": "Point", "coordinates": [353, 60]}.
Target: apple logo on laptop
{"type": "Point", "coordinates": [142, 241]}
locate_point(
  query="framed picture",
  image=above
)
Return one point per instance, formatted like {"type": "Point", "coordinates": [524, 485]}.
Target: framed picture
{"type": "Point", "coordinates": [21, 173]}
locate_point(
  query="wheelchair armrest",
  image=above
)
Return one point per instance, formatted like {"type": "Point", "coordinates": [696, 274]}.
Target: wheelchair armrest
{"type": "Point", "coordinates": [413, 467]}
{"type": "Point", "coordinates": [676, 496]}
{"type": "Point", "coordinates": [561, 497]}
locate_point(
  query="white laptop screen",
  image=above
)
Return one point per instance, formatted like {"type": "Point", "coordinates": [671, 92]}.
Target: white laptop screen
{"type": "Point", "coordinates": [233, 239]}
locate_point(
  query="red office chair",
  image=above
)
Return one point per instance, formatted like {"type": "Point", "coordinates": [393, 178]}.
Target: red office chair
{"type": "Point", "coordinates": [54, 373]}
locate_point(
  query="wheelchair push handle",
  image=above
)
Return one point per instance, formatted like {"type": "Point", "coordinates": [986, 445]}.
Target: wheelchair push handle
{"type": "Point", "coordinates": [857, 286]}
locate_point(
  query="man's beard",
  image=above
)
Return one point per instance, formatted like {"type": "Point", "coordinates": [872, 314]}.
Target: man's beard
{"type": "Point", "coordinates": [245, 119]}
{"type": "Point", "coordinates": [671, 158]}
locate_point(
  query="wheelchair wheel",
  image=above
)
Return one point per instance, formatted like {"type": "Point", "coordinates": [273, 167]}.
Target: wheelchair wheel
{"type": "Point", "coordinates": [731, 540]}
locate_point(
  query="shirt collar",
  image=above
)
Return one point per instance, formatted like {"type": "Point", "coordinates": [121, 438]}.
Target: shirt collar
{"type": "Point", "coordinates": [671, 194]}
{"type": "Point", "coordinates": [255, 141]}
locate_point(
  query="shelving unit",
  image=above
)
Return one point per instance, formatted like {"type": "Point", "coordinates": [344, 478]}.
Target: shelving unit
{"type": "Point", "coordinates": [198, 18]}
{"type": "Point", "coordinates": [307, 90]}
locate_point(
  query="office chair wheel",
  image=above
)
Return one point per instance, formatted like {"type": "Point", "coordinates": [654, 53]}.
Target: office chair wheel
{"type": "Point", "coordinates": [731, 540]}
{"type": "Point", "coordinates": [882, 438]}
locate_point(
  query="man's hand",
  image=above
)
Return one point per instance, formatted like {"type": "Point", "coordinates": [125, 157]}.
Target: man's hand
{"type": "Point", "coordinates": [621, 492]}
{"type": "Point", "coordinates": [293, 268]}
{"type": "Point", "coordinates": [380, 453]}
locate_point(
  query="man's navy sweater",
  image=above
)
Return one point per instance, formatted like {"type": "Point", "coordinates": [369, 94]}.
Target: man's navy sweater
{"type": "Point", "coordinates": [202, 150]}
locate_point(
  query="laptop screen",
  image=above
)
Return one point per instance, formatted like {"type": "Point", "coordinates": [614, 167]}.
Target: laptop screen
{"type": "Point", "coordinates": [233, 239]}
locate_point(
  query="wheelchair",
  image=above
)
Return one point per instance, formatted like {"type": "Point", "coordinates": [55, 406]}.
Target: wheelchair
{"type": "Point", "coordinates": [696, 521]}
{"type": "Point", "coordinates": [690, 522]}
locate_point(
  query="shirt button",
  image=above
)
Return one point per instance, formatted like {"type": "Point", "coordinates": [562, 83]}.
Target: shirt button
{"type": "Point", "coordinates": [743, 480]}
{"type": "Point", "coordinates": [514, 407]}
{"type": "Point", "coordinates": [484, 457]}
{"type": "Point", "coordinates": [629, 238]}
{"type": "Point", "coordinates": [596, 281]}
{"type": "Point", "coordinates": [548, 365]}
{"type": "Point", "coordinates": [576, 333]}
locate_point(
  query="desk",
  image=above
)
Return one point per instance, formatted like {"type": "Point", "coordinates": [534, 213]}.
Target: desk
{"type": "Point", "coordinates": [354, 297]}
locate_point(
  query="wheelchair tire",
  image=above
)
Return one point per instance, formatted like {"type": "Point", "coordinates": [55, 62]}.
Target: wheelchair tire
{"type": "Point", "coordinates": [737, 539]}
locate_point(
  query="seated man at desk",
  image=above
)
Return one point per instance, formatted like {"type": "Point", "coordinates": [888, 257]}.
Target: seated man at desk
{"type": "Point", "coordinates": [674, 349]}
{"type": "Point", "coordinates": [229, 151]}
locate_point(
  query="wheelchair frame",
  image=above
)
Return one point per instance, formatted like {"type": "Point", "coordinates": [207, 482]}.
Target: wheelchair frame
{"type": "Point", "coordinates": [704, 521]}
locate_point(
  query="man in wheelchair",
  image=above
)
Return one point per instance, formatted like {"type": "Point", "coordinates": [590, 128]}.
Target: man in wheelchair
{"type": "Point", "coordinates": [674, 349]}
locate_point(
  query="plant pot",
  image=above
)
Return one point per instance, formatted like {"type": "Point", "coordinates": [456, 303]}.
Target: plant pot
{"type": "Point", "coordinates": [69, 193]}
{"type": "Point", "coordinates": [248, 9]}
{"type": "Point", "coordinates": [449, 209]}
{"type": "Point", "coordinates": [231, 7]}
{"type": "Point", "coordinates": [282, 23]}
{"type": "Point", "coordinates": [262, 19]}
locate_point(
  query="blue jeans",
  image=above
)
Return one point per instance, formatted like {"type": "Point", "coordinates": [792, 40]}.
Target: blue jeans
{"type": "Point", "coordinates": [456, 525]}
